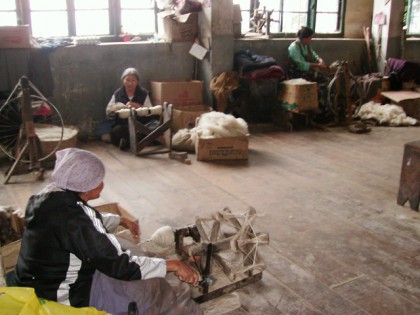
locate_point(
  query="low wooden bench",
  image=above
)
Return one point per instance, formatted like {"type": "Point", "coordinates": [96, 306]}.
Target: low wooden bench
{"type": "Point", "coordinates": [410, 176]}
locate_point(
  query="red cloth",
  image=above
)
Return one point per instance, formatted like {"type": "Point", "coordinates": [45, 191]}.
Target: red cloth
{"type": "Point", "coordinates": [265, 73]}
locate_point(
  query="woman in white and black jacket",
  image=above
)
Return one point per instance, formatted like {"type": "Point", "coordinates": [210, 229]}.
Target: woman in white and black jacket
{"type": "Point", "coordinates": [129, 95]}
{"type": "Point", "coordinates": [69, 255]}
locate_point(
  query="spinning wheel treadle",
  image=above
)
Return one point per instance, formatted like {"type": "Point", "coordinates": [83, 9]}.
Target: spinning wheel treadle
{"type": "Point", "coordinates": [224, 250]}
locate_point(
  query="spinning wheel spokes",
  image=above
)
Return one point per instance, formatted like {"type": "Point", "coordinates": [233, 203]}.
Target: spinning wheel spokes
{"type": "Point", "coordinates": [234, 240]}
{"type": "Point", "coordinates": [17, 124]}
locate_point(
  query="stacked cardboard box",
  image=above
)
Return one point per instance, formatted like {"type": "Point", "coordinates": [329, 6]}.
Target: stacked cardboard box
{"type": "Point", "coordinates": [177, 93]}
{"type": "Point", "coordinates": [298, 97]}
{"type": "Point", "coordinates": [15, 36]}
{"type": "Point", "coordinates": [178, 28]}
{"type": "Point", "coordinates": [185, 117]}
{"type": "Point", "coordinates": [186, 98]}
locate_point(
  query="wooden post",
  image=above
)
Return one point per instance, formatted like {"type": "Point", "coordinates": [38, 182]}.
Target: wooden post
{"type": "Point", "coordinates": [349, 104]}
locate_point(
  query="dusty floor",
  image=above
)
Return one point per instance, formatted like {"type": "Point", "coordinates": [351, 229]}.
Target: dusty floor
{"type": "Point", "coordinates": [339, 243]}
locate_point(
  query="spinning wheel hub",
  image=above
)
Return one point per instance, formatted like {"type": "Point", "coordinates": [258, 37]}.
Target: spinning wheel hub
{"type": "Point", "coordinates": [227, 243]}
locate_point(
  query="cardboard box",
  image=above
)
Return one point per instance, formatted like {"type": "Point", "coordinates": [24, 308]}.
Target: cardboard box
{"type": "Point", "coordinates": [177, 93]}
{"type": "Point", "coordinates": [116, 209]}
{"type": "Point", "coordinates": [185, 117]}
{"type": "Point", "coordinates": [408, 100]}
{"type": "Point", "coordinates": [120, 230]}
{"type": "Point", "coordinates": [178, 28]}
{"type": "Point", "coordinates": [15, 36]}
{"type": "Point", "coordinates": [232, 148]}
{"type": "Point", "coordinates": [298, 97]}
{"type": "Point", "coordinates": [10, 252]}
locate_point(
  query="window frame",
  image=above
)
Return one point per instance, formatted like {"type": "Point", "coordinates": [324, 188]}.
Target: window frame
{"type": "Point", "coordinates": [23, 14]}
{"type": "Point", "coordinates": [311, 19]}
{"type": "Point", "coordinates": [409, 19]}
{"type": "Point", "coordinates": [12, 11]}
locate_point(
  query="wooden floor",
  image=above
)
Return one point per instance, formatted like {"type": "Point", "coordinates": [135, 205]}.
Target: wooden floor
{"type": "Point", "coordinates": [339, 243]}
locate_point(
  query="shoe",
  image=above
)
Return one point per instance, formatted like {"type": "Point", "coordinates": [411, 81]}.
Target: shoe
{"type": "Point", "coordinates": [359, 127]}
{"type": "Point", "coordinates": [123, 144]}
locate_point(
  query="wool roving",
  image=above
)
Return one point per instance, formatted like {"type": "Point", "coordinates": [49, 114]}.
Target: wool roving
{"type": "Point", "coordinates": [146, 111]}
{"type": "Point", "coordinates": [163, 237]}
{"type": "Point", "coordinates": [124, 113]}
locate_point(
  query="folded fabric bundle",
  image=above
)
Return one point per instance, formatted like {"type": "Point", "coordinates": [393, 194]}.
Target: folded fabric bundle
{"type": "Point", "coordinates": [265, 73]}
{"type": "Point", "coordinates": [246, 61]}
{"type": "Point", "coordinates": [406, 70]}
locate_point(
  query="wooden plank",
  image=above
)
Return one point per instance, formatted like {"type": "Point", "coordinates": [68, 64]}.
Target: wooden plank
{"type": "Point", "coordinates": [327, 199]}
{"type": "Point", "coordinates": [215, 292]}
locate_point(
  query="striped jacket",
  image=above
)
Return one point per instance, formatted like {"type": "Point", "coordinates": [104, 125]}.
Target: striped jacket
{"type": "Point", "coordinates": [65, 241]}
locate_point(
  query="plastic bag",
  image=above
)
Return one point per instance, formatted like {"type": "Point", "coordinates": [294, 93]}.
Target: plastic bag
{"type": "Point", "coordinates": [23, 301]}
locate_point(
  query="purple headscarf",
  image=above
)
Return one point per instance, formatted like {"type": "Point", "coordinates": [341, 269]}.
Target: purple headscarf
{"type": "Point", "coordinates": [77, 170]}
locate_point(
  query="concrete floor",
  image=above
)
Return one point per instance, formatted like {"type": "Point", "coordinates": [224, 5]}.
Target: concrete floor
{"type": "Point", "coordinates": [339, 243]}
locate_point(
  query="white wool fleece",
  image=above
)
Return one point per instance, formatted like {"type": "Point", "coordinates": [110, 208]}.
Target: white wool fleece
{"type": "Point", "coordinates": [385, 114]}
{"type": "Point", "coordinates": [219, 125]}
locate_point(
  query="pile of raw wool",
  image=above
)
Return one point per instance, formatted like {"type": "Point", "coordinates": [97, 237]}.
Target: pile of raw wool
{"type": "Point", "coordinates": [210, 125]}
{"type": "Point", "coordinates": [7, 233]}
{"type": "Point", "coordinates": [298, 81]}
{"type": "Point", "coordinates": [387, 114]}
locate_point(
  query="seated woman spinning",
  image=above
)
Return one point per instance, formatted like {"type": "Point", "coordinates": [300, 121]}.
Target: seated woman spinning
{"type": "Point", "coordinates": [130, 94]}
{"type": "Point", "coordinates": [303, 60]}
{"type": "Point", "coordinates": [68, 254]}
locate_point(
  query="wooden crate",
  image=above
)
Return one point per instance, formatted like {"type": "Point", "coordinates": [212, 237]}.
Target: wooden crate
{"type": "Point", "coordinates": [10, 252]}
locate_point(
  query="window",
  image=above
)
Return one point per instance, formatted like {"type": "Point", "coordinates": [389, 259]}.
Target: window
{"type": "Point", "coordinates": [44, 14]}
{"type": "Point", "coordinates": [63, 18]}
{"type": "Point", "coordinates": [137, 16]}
{"type": "Point", "coordinates": [8, 15]}
{"type": "Point", "coordinates": [287, 16]}
{"type": "Point", "coordinates": [92, 17]}
{"type": "Point", "coordinates": [413, 17]}
{"type": "Point", "coordinates": [245, 6]}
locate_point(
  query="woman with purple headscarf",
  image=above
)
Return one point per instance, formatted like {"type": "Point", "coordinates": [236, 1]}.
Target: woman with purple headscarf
{"type": "Point", "coordinates": [69, 255]}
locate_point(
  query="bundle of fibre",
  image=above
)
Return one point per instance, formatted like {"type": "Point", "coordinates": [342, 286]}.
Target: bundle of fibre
{"type": "Point", "coordinates": [161, 244]}
{"type": "Point", "coordinates": [210, 125]}
{"type": "Point", "coordinates": [183, 141]}
{"type": "Point", "coordinates": [124, 113]}
{"type": "Point", "coordinates": [393, 115]}
{"type": "Point", "coordinates": [219, 125]}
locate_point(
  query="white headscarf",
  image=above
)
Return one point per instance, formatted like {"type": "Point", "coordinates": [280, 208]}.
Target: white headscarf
{"type": "Point", "coordinates": [77, 170]}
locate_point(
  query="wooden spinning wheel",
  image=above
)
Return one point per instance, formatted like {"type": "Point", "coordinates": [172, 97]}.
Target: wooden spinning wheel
{"type": "Point", "coordinates": [26, 114]}
{"type": "Point", "coordinates": [226, 242]}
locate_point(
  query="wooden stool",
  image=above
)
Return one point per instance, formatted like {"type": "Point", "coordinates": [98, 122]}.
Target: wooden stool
{"type": "Point", "coordinates": [410, 176]}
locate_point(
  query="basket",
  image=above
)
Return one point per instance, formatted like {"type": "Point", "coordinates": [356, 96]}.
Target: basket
{"type": "Point", "coordinates": [49, 136]}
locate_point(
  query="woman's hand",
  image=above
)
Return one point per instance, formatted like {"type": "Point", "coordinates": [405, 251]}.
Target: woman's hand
{"type": "Point", "coordinates": [184, 272]}
{"type": "Point", "coordinates": [319, 66]}
{"type": "Point", "coordinates": [134, 104]}
{"type": "Point", "coordinates": [132, 226]}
